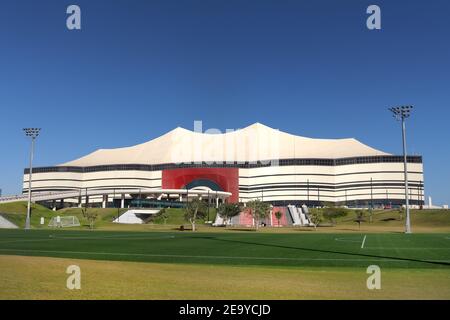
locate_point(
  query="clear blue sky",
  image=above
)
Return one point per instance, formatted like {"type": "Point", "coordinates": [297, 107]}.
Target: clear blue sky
{"type": "Point", "coordinates": [138, 69]}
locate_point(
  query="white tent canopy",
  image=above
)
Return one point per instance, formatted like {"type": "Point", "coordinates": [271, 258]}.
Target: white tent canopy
{"type": "Point", "coordinates": [256, 142]}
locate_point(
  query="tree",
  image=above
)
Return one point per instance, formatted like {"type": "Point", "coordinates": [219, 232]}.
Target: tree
{"type": "Point", "coordinates": [259, 210]}
{"type": "Point", "coordinates": [278, 215]}
{"type": "Point", "coordinates": [315, 216]}
{"type": "Point", "coordinates": [90, 216]}
{"type": "Point", "coordinates": [228, 210]}
{"type": "Point", "coordinates": [360, 217]}
{"type": "Point", "coordinates": [194, 210]}
{"type": "Point", "coordinates": [163, 215]}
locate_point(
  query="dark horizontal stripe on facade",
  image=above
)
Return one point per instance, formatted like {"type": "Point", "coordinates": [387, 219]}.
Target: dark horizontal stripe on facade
{"type": "Point", "coordinates": [98, 179]}
{"type": "Point", "coordinates": [393, 195]}
{"type": "Point", "coordinates": [331, 186]}
{"type": "Point", "coordinates": [328, 174]}
{"type": "Point", "coordinates": [71, 188]}
{"type": "Point", "coordinates": [330, 194]}
{"type": "Point", "coordinates": [327, 195]}
{"type": "Point", "coordinates": [235, 164]}
{"type": "Point", "coordinates": [339, 184]}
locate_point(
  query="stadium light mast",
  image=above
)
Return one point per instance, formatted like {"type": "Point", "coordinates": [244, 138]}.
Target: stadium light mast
{"type": "Point", "coordinates": [209, 203]}
{"type": "Point", "coordinates": [33, 133]}
{"type": "Point", "coordinates": [402, 113]}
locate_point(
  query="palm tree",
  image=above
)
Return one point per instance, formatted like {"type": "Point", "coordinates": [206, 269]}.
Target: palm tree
{"type": "Point", "coordinates": [278, 215]}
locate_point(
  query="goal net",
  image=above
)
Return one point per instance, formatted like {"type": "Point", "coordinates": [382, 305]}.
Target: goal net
{"type": "Point", "coordinates": [63, 222]}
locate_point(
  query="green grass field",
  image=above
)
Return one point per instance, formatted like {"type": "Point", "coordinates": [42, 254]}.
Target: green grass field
{"type": "Point", "coordinates": [245, 248]}
{"type": "Point", "coordinates": [245, 265]}
{"type": "Point", "coordinates": [156, 261]}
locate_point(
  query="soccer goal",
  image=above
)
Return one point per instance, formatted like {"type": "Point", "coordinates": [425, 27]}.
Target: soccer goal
{"type": "Point", "coordinates": [63, 222]}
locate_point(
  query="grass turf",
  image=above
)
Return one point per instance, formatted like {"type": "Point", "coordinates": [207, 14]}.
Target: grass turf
{"type": "Point", "coordinates": [224, 265]}
{"type": "Point", "coordinates": [244, 248]}
{"type": "Point", "coordinates": [45, 278]}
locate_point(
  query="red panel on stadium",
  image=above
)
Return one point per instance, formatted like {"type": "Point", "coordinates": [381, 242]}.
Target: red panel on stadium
{"type": "Point", "coordinates": [226, 178]}
{"type": "Point", "coordinates": [246, 218]}
{"type": "Point", "coordinates": [283, 219]}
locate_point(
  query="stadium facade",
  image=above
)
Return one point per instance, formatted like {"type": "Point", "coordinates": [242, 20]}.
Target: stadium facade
{"type": "Point", "coordinates": [256, 162]}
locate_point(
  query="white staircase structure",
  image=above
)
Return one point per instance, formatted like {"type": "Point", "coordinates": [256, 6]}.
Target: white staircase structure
{"type": "Point", "coordinates": [294, 214]}
{"type": "Point", "coordinates": [305, 211]}
{"type": "Point", "coordinates": [299, 215]}
{"type": "Point", "coordinates": [303, 218]}
{"type": "Point", "coordinates": [6, 224]}
{"type": "Point", "coordinates": [136, 216]}
{"type": "Point", "coordinates": [219, 221]}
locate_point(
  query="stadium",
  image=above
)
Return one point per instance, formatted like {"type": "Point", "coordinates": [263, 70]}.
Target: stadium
{"type": "Point", "coordinates": [316, 192]}
{"type": "Point", "coordinates": [256, 162]}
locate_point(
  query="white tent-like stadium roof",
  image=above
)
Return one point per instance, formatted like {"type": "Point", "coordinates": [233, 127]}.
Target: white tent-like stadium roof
{"type": "Point", "coordinates": [256, 142]}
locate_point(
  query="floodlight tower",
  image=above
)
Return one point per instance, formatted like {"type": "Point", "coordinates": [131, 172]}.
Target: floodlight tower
{"type": "Point", "coordinates": [402, 113]}
{"type": "Point", "coordinates": [33, 133]}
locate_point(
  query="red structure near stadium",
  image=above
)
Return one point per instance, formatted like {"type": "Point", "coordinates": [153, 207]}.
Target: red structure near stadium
{"type": "Point", "coordinates": [217, 179]}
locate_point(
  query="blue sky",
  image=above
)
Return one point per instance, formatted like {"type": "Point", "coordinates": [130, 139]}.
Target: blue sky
{"type": "Point", "coordinates": [137, 69]}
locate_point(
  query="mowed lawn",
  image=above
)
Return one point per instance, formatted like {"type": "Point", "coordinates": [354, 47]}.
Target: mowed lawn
{"type": "Point", "coordinates": [235, 265]}
{"type": "Point", "coordinates": [243, 248]}
{"type": "Point", "coordinates": [45, 278]}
